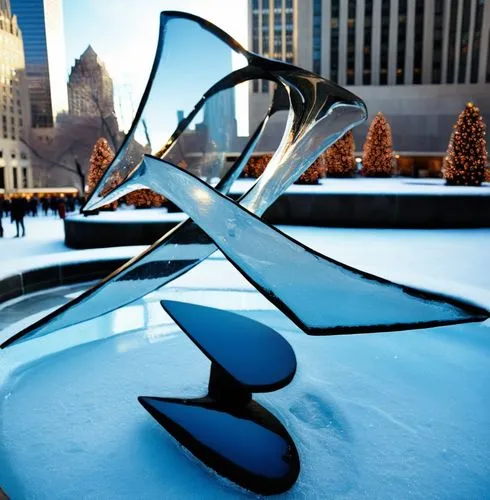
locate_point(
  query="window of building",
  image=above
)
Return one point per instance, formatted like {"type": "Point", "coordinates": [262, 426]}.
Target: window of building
{"type": "Point", "coordinates": [23, 155]}
{"type": "Point", "coordinates": [265, 86]}
{"type": "Point", "coordinates": [418, 41]}
{"type": "Point", "coordinates": [401, 41]}
{"type": "Point", "coordinates": [437, 41]}
{"type": "Point", "coordinates": [385, 40]}
{"type": "Point", "coordinates": [277, 50]}
{"type": "Point", "coordinates": [2, 178]}
{"type": "Point", "coordinates": [351, 42]}
{"type": "Point", "coordinates": [12, 155]}
{"type": "Point", "coordinates": [487, 79]}
{"type": "Point", "coordinates": [317, 36]}
{"type": "Point", "coordinates": [465, 38]}
{"type": "Point", "coordinates": [265, 33]}
{"type": "Point", "coordinates": [255, 32]}
{"type": "Point", "coordinates": [334, 40]}
{"type": "Point", "coordinates": [451, 53]}
{"type": "Point", "coordinates": [24, 177]}
{"type": "Point", "coordinates": [14, 175]}
{"type": "Point", "coordinates": [1, 153]}
{"type": "Point", "coordinates": [475, 52]}
{"type": "Point", "coordinates": [368, 15]}
{"type": "Point", "coordinates": [255, 86]}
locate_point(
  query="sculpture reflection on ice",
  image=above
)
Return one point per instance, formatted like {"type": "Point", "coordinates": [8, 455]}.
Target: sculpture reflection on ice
{"type": "Point", "coordinates": [319, 113]}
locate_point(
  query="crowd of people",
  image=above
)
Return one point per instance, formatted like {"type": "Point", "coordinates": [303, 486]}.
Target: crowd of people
{"type": "Point", "coordinates": [16, 208]}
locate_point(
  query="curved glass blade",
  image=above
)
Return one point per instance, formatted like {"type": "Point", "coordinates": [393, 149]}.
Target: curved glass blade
{"type": "Point", "coordinates": [322, 296]}
{"type": "Point", "coordinates": [319, 113]}
{"type": "Point", "coordinates": [246, 443]}
{"type": "Point", "coordinates": [175, 120]}
{"type": "Point", "coordinates": [255, 355]}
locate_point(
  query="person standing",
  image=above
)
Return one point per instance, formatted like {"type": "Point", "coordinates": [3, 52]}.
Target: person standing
{"type": "Point", "coordinates": [33, 204]}
{"type": "Point", "coordinates": [62, 208]}
{"type": "Point", "coordinates": [45, 204]}
{"type": "Point", "coordinates": [1, 215]}
{"type": "Point", "coordinates": [17, 214]}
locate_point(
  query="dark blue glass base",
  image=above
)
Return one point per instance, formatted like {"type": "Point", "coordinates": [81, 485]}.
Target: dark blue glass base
{"type": "Point", "coordinates": [227, 430]}
{"type": "Point", "coordinates": [242, 442]}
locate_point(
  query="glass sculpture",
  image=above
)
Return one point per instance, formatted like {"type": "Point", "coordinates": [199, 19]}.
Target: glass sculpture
{"type": "Point", "coordinates": [177, 147]}
{"type": "Point", "coordinates": [319, 112]}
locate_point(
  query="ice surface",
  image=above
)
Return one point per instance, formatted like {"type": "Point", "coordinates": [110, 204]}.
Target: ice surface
{"type": "Point", "coordinates": [379, 416]}
{"type": "Point", "coordinates": [398, 415]}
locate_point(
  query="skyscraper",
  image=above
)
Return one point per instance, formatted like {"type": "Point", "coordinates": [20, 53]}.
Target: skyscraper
{"type": "Point", "coordinates": [417, 61]}
{"type": "Point", "coordinates": [90, 88]}
{"type": "Point", "coordinates": [15, 170]}
{"type": "Point", "coordinates": [41, 23]}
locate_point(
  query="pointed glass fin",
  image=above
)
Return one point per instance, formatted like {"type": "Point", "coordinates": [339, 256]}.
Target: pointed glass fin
{"type": "Point", "coordinates": [251, 352]}
{"type": "Point", "coordinates": [319, 113]}
{"type": "Point", "coordinates": [322, 296]}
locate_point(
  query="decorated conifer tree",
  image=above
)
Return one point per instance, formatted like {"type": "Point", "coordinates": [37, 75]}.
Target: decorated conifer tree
{"type": "Point", "coordinates": [146, 198]}
{"type": "Point", "coordinates": [256, 165]}
{"type": "Point", "coordinates": [467, 151]}
{"type": "Point", "coordinates": [339, 158]}
{"type": "Point", "coordinates": [377, 160]}
{"type": "Point", "coordinates": [312, 174]}
{"type": "Point", "coordinates": [101, 157]}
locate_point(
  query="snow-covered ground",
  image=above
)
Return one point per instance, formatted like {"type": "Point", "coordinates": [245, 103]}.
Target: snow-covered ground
{"type": "Point", "coordinates": [395, 415]}
{"type": "Point", "coordinates": [398, 186]}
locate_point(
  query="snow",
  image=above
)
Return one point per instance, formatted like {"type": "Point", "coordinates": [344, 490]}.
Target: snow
{"type": "Point", "coordinates": [396, 415]}
{"type": "Point", "coordinates": [127, 215]}
{"type": "Point", "coordinates": [361, 185]}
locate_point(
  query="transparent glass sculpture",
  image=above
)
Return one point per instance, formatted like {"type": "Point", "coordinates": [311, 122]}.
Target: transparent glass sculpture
{"type": "Point", "coordinates": [319, 112]}
{"type": "Point", "coordinates": [322, 296]}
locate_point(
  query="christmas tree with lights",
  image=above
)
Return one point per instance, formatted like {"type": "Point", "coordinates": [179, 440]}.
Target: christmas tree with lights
{"type": "Point", "coordinates": [312, 174]}
{"type": "Point", "coordinates": [101, 157]}
{"type": "Point", "coordinates": [256, 165]}
{"type": "Point", "coordinates": [377, 160]}
{"type": "Point", "coordinates": [467, 152]}
{"type": "Point", "coordinates": [144, 198]}
{"type": "Point", "coordinates": [339, 158]}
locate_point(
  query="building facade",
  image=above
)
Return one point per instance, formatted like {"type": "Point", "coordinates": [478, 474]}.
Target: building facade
{"type": "Point", "coordinates": [41, 22]}
{"type": "Point", "coordinates": [417, 61]}
{"type": "Point", "coordinates": [90, 88]}
{"type": "Point", "coordinates": [15, 169]}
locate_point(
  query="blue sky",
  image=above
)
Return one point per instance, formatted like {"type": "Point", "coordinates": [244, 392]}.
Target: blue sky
{"type": "Point", "coordinates": [124, 33]}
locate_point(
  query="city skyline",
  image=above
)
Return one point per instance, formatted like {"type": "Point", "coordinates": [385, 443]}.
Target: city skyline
{"type": "Point", "coordinates": [128, 46]}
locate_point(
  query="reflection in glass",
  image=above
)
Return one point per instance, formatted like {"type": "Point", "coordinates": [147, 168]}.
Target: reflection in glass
{"type": "Point", "coordinates": [319, 113]}
{"type": "Point", "coordinates": [322, 296]}
{"type": "Point", "coordinates": [174, 121]}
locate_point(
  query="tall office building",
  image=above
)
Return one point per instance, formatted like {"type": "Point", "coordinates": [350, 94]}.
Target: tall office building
{"type": "Point", "coordinates": [417, 61]}
{"type": "Point", "coordinates": [15, 170]}
{"type": "Point", "coordinates": [41, 23]}
{"type": "Point", "coordinates": [90, 88]}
